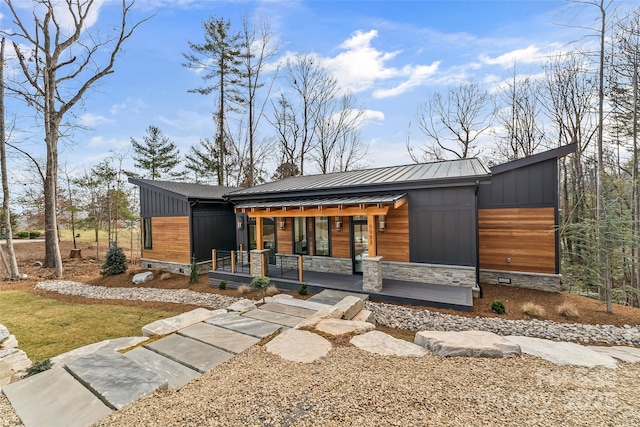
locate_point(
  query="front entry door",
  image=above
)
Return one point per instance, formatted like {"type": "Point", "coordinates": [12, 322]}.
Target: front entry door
{"type": "Point", "coordinates": [359, 244]}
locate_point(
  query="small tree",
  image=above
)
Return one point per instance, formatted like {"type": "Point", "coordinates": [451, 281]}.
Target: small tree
{"type": "Point", "coordinates": [260, 283]}
{"type": "Point", "coordinates": [115, 262]}
{"type": "Point", "coordinates": [193, 277]}
{"type": "Point", "coordinates": [156, 154]}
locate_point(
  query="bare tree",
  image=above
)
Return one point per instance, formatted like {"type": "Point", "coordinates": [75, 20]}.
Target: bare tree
{"type": "Point", "coordinates": [12, 264]}
{"type": "Point", "coordinates": [61, 58]}
{"type": "Point", "coordinates": [453, 123]}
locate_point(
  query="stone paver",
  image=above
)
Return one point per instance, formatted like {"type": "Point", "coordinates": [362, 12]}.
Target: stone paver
{"type": "Point", "coordinates": [172, 324]}
{"type": "Point", "coordinates": [563, 353]}
{"type": "Point", "coordinates": [350, 306]}
{"type": "Point", "coordinates": [190, 352]}
{"type": "Point", "coordinates": [625, 354]}
{"type": "Point", "coordinates": [175, 373]}
{"type": "Point", "coordinates": [365, 316]}
{"type": "Point", "coordinates": [381, 343]}
{"type": "Point", "coordinates": [340, 326]}
{"type": "Point", "coordinates": [115, 378]}
{"type": "Point", "coordinates": [273, 317]}
{"type": "Point", "coordinates": [54, 397]}
{"type": "Point", "coordinates": [242, 305]}
{"type": "Point", "coordinates": [299, 346]}
{"type": "Point", "coordinates": [332, 312]}
{"type": "Point", "coordinates": [467, 344]}
{"type": "Point", "coordinates": [245, 325]}
{"type": "Point", "coordinates": [286, 299]}
{"type": "Point", "coordinates": [287, 309]}
{"type": "Point", "coordinates": [331, 297]}
{"type": "Point", "coordinates": [231, 341]}
{"type": "Point", "coordinates": [115, 344]}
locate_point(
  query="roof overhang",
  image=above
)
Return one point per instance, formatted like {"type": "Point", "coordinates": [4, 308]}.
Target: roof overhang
{"type": "Point", "coordinates": [329, 206]}
{"type": "Point", "coordinates": [536, 158]}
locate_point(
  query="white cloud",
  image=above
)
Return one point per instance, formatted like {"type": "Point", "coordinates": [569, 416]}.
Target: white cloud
{"type": "Point", "coordinates": [372, 116]}
{"type": "Point", "coordinates": [418, 76]}
{"type": "Point", "coordinates": [134, 105]}
{"type": "Point", "coordinates": [91, 120]}
{"type": "Point", "coordinates": [529, 55]}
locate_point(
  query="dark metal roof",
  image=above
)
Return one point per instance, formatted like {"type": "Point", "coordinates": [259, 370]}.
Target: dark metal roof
{"type": "Point", "coordinates": [436, 171]}
{"type": "Point", "coordinates": [536, 158]}
{"type": "Point", "coordinates": [328, 201]}
{"type": "Point", "coordinates": [185, 189]}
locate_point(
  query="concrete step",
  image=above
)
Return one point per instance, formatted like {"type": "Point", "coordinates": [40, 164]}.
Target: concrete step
{"type": "Point", "coordinates": [286, 299]}
{"type": "Point", "coordinates": [54, 397]}
{"type": "Point", "coordinates": [191, 353]}
{"type": "Point", "coordinates": [245, 325]}
{"type": "Point", "coordinates": [114, 378]}
{"type": "Point", "coordinates": [273, 317]}
{"type": "Point", "coordinates": [331, 297]}
{"type": "Point", "coordinates": [287, 309]}
{"type": "Point", "coordinates": [175, 373]}
{"type": "Point", "coordinates": [224, 339]}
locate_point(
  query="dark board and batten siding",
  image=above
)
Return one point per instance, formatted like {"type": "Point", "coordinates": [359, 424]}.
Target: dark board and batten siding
{"type": "Point", "coordinates": [213, 227]}
{"type": "Point", "coordinates": [155, 204]}
{"type": "Point", "coordinates": [442, 226]}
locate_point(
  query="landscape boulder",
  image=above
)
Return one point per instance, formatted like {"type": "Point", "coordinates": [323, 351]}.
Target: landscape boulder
{"type": "Point", "coordinates": [299, 346]}
{"type": "Point", "coordinates": [341, 326]}
{"type": "Point", "coordinates": [380, 343]}
{"type": "Point", "coordinates": [142, 277]}
{"type": "Point", "coordinates": [350, 306]}
{"type": "Point", "coordinates": [467, 344]}
{"type": "Point", "coordinates": [4, 334]}
{"type": "Point", "coordinates": [172, 324]}
{"type": "Point", "coordinates": [242, 305]}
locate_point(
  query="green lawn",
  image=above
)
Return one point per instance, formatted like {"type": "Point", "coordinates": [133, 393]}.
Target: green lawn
{"type": "Point", "coordinates": [46, 327]}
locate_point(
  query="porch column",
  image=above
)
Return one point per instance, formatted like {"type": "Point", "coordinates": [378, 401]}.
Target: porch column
{"type": "Point", "coordinates": [259, 233]}
{"type": "Point", "coordinates": [259, 262]}
{"type": "Point", "coordinates": [372, 273]}
{"type": "Point", "coordinates": [371, 234]}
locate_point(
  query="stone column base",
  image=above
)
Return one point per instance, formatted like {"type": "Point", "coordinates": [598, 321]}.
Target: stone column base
{"type": "Point", "coordinates": [372, 274]}
{"type": "Point", "coordinates": [257, 262]}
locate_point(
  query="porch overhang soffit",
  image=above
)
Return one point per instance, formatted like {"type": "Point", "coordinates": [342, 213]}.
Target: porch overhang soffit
{"type": "Point", "coordinates": [334, 206]}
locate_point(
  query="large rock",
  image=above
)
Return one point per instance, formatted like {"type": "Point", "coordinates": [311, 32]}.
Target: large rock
{"type": "Point", "coordinates": [350, 306]}
{"type": "Point", "coordinates": [142, 277]}
{"type": "Point", "coordinates": [17, 359]}
{"type": "Point", "coordinates": [4, 333]}
{"type": "Point", "coordinates": [365, 316]}
{"type": "Point", "coordinates": [299, 346]}
{"type": "Point", "coordinates": [626, 354]}
{"type": "Point", "coordinates": [563, 353]}
{"type": "Point", "coordinates": [172, 324]}
{"type": "Point", "coordinates": [467, 344]}
{"type": "Point", "coordinates": [381, 343]}
{"type": "Point", "coordinates": [242, 306]}
{"type": "Point", "coordinates": [6, 373]}
{"type": "Point", "coordinates": [327, 313]}
{"type": "Point", "coordinates": [340, 326]}
{"type": "Point", "coordinates": [10, 342]}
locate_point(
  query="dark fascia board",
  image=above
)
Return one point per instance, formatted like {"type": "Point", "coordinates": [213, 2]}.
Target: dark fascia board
{"type": "Point", "coordinates": [375, 189]}
{"type": "Point", "coordinates": [536, 158]}
{"type": "Point", "coordinates": [141, 184]}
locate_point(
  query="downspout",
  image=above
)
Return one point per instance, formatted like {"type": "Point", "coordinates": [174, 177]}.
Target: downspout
{"type": "Point", "coordinates": [192, 255]}
{"type": "Point", "coordinates": [478, 242]}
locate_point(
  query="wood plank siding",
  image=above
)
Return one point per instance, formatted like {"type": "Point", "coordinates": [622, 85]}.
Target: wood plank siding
{"type": "Point", "coordinates": [393, 244]}
{"type": "Point", "coordinates": [341, 240]}
{"type": "Point", "coordinates": [170, 239]}
{"type": "Point", "coordinates": [525, 235]}
{"type": "Point", "coordinates": [285, 238]}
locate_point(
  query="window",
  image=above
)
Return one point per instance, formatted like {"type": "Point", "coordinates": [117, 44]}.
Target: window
{"type": "Point", "coordinates": [321, 240]}
{"type": "Point", "coordinates": [300, 246]}
{"type": "Point", "coordinates": [147, 233]}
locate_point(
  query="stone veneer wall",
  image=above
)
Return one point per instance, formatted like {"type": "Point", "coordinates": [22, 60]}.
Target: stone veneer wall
{"type": "Point", "coordinates": [256, 262]}
{"type": "Point", "coordinates": [372, 274]}
{"type": "Point", "coordinates": [321, 264]}
{"type": "Point", "coordinates": [453, 275]}
{"type": "Point", "coordinates": [175, 267]}
{"type": "Point", "coordinates": [541, 282]}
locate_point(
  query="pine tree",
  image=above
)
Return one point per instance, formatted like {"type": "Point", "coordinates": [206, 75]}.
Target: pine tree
{"type": "Point", "coordinates": [156, 154]}
{"type": "Point", "coordinates": [115, 262]}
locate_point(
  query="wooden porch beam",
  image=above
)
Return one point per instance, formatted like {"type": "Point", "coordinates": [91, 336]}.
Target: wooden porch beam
{"type": "Point", "coordinates": [399, 203]}
{"type": "Point", "coordinates": [349, 211]}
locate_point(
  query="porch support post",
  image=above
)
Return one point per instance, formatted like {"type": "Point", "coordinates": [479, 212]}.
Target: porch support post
{"type": "Point", "coordinates": [371, 234]}
{"type": "Point", "coordinates": [372, 273]}
{"type": "Point", "coordinates": [300, 272]}
{"type": "Point", "coordinates": [233, 261]}
{"type": "Point", "coordinates": [259, 234]}
{"type": "Point", "coordinates": [213, 260]}
{"type": "Point", "coordinates": [259, 264]}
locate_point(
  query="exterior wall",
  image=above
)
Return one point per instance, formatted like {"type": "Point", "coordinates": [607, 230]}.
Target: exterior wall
{"type": "Point", "coordinates": [170, 240]}
{"type": "Point", "coordinates": [393, 244]}
{"type": "Point", "coordinates": [454, 275]}
{"type": "Point", "coordinates": [213, 226]}
{"type": "Point", "coordinates": [341, 240]}
{"type": "Point", "coordinates": [155, 203]}
{"type": "Point", "coordinates": [285, 237]}
{"type": "Point", "coordinates": [442, 226]}
{"type": "Point", "coordinates": [174, 267]}
{"type": "Point", "coordinates": [541, 282]}
{"type": "Point", "coordinates": [321, 264]}
{"type": "Point", "coordinates": [518, 239]}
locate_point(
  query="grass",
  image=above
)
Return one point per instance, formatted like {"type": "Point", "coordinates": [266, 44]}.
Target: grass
{"type": "Point", "coordinates": [568, 310]}
{"type": "Point", "coordinates": [533, 310]}
{"type": "Point", "coordinates": [46, 327]}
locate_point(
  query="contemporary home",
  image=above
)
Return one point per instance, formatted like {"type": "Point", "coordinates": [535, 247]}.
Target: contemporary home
{"type": "Point", "coordinates": [427, 233]}
{"type": "Point", "coordinates": [183, 222]}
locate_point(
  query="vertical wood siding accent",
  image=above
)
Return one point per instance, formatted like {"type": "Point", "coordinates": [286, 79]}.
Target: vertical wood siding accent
{"type": "Point", "coordinates": [170, 240]}
{"type": "Point", "coordinates": [285, 237]}
{"type": "Point", "coordinates": [311, 245]}
{"type": "Point", "coordinates": [526, 235]}
{"type": "Point", "coordinates": [393, 244]}
{"type": "Point", "coordinates": [341, 240]}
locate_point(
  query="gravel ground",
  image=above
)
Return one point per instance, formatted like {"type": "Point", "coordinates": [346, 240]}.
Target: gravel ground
{"type": "Point", "coordinates": [352, 387]}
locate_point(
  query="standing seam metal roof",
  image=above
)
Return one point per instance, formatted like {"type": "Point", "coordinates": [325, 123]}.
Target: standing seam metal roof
{"type": "Point", "coordinates": [451, 169]}
{"type": "Point", "coordinates": [188, 190]}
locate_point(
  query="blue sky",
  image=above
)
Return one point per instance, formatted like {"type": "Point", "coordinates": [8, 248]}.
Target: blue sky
{"type": "Point", "coordinates": [391, 54]}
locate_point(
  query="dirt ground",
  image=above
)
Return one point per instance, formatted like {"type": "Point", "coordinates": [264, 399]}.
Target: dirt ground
{"type": "Point", "coordinates": [87, 270]}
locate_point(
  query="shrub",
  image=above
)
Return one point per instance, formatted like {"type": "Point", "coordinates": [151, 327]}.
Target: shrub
{"type": "Point", "coordinates": [303, 289]}
{"type": "Point", "coordinates": [533, 309]}
{"type": "Point", "coordinates": [34, 234]}
{"type": "Point", "coordinates": [165, 276]}
{"type": "Point", "coordinates": [22, 235]}
{"type": "Point", "coordinates": [260, 283]}
{"type": "Point", "coordinates": [498, 307]}
{"type": "Point", "coordinates": [244, 289]}
{"type": "Point", "coordinates": [568, 310]}
{"type": "Point", "coordinates": [115, 261]}
{"type": "Point", "coordinates": [39, 366]}
{"type": "Point", "coordinates": [271, 291]}
{"type": "Point", "coordinates": [222, 285]}
{"type": "Point", "coordinates": [193, 273]}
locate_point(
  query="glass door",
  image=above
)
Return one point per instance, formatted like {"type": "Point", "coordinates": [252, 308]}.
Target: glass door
{"type": "Point", "coordinates": [269, 234]}
{"type": "Point", "coordinates": [359, 244]}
